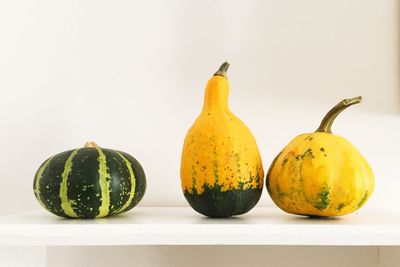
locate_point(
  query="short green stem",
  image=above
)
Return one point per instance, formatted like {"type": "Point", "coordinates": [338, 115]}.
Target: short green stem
{"type": "Point", "coordinates": [223, 70]}
{"type": "Point", "coordinates": [327, 121]}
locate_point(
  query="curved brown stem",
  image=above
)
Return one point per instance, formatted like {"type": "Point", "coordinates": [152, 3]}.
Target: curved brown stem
{"type": "Point", "coordinates": [222, 70]}
{"type": "Point", "coordinates": [326, 123]}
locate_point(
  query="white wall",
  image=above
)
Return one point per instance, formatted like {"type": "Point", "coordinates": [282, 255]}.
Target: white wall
{"type": "Point", "coordinates": [131, 74]}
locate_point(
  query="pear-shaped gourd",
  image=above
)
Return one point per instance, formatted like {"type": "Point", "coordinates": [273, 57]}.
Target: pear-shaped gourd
{"type": "Point", "coordinates": [221, 168]}
{"type": "Point", "coordinates": [320, 173]}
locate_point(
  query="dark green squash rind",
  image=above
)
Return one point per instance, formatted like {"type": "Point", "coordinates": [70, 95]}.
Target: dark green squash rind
{"type": "Point", "coordinates": [212, 202]}
{"type": "Point", "coordinates": [120, 186]}
{"type": "Point", "coordinates": [83, 183]}
{"type": "Point", "coordinates": [84, 190]}
{"type": "Point", "coordinates": [140, 188]}
{"type": "Point", "coordinates": [49, 185]}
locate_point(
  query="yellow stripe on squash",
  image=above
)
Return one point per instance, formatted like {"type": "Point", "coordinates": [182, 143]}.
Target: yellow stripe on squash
{"type": "Point", "coordinates": [104, 181]}
{"type": "Point", "coordinates": [66, 203]}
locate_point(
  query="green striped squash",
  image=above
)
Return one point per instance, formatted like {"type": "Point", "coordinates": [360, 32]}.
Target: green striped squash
{"type": "Point", "coordinates": [89, 182]}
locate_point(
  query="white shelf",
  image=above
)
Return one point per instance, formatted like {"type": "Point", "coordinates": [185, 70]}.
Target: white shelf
{"type": "Point", "coordinates": [183, 226]}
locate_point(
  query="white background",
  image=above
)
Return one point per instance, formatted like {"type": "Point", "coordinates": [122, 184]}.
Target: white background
{"type": "Point", "coordinates": [130, 75]}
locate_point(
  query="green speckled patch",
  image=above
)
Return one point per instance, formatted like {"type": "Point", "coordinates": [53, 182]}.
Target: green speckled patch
{"type": "Point", "coordinates": [216, 171]}
{"type": "Point", "coordinates": [340, 206]}
{"type": "Point", "coordinates": [363, 199]}
{"type": "Point", "coordinates": [194, 174]}
{"type": "Point", "coordinates": [323, 199]}
{"type": "Point", "coordinates": [307, 153]}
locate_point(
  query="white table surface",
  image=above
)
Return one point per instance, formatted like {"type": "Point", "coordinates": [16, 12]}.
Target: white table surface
{"type": "Point", "coordinates": [183, 226]}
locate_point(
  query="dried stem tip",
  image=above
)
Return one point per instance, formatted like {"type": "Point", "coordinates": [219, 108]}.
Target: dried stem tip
{"type": "Point", "coordinates": [90, 144]}
{"type": "Point", "coordinates": [223, 70]}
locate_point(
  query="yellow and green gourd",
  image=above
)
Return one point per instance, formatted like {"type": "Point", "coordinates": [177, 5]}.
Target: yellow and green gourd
{"type": "Point", "coordinates": [221, 168]}
{"type": "Point", "coordinates": [321, 173]}
{"type": "Point", "coordinates": [89, 182]}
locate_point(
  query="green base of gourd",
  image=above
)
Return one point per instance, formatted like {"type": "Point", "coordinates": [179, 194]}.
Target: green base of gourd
{"type": "Point", "coordinates": [216, 204]}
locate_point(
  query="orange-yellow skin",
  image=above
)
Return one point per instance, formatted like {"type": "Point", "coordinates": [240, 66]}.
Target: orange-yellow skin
{"type": "Point", "coordinates": [320, 174]}
{"type": "Point", "coordinates": [219, 148]}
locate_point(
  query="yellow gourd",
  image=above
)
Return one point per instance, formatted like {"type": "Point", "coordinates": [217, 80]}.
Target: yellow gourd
{"type": "Point", "coordinates": [221, 168]}
{"type": "Point", "coordinates": [320, 173]}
